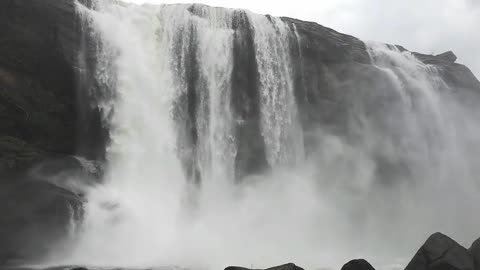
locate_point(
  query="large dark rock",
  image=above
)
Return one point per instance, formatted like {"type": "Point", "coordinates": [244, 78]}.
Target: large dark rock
{"type": "Point", "coordinates": [475, 252]}
{"type": "Point", "coordinates": [440, 252]}
{"type": "Point", "coordinates": [358, 264]}
{"type": "Point", "coordinates": [288, 266]}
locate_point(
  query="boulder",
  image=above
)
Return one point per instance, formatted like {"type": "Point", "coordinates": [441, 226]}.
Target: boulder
{"type": "Point", "coordinates": [358, 264]}
{"type": "Point", "coordinates": [440, 252]}
{"type": "Point", "coordinates": [475, 253]}
{"type": "Point", "coordinates": [288, 266]}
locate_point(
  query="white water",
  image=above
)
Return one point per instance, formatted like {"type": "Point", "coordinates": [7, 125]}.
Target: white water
{"type": "Point", "coordinates": [318, 213]}
{"type": "Point", "coordinates": [279, 112]}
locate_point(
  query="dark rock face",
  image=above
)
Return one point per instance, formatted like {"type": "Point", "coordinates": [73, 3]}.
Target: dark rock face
{"type": "Point", "coordinates": [475, 252]}
{"type": "Point", "coordinates": [37, 57]}
{"type": "Point", "coordinates": [40, 116]}
{"type": "Point", "coordinates": [359, 264]}
{"type": "Point", "coordinates": [39, 77]}
{"type": "Point", "coordinates": [441, 253]}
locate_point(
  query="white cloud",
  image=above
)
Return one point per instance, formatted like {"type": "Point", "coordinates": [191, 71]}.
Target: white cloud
{"type": "Point", "coordinates": [427, 26]}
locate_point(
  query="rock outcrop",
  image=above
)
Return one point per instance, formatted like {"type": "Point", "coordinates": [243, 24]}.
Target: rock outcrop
{"type": "Point", "coordinates": [358, 264]}
{"type": "Point", "coordinates": [287, 266]}
{"type": "Point", "coordinates": [475, 252]}
{"type": "Point", "coordinates": [440, 252]}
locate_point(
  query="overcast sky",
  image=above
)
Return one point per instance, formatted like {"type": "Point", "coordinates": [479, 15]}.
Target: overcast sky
{"type": "Point", "coordinates": [427, 26]}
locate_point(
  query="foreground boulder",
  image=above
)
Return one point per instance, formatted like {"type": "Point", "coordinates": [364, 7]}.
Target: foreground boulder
{"type": "Point", "coordinates": [440, 252]}
{"type": "Point", "coordinates": [288, 266]}
{"type": "Point", "coordinates": [475, 253]}
{"type": "Point", "coordinates": [359, 264]}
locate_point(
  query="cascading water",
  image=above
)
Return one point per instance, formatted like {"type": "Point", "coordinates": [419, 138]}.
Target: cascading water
{"type": "Point", "coordinates": [171, 193]}
{"type": "Point", "coordinates": [282, 134]}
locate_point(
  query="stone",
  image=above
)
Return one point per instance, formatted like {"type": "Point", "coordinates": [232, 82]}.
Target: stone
{"type": "Point", "coordinates": [288, 266]}
{"type": "Point", "coordinates": [475, 253]}
{"type": "Point", "coordinates": [358, 264]}
{"type": "Point", "coordinates": [440, 252]}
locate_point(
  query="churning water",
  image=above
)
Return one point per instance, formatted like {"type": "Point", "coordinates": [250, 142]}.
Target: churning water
{"type": "Point", "coordinates": [171, 195]}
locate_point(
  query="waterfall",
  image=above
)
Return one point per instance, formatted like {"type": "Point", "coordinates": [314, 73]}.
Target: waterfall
{"type": "Point", "coordinates": [165, 76]}
{"type": "Point", "coordinates": [207, 164]}
{"type": "Point", "coordinates": [279, 116]}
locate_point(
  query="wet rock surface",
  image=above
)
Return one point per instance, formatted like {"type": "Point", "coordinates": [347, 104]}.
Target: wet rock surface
{"type": "Point", "coordinates": [40, 112]}
{"type": "Point", "coordinates": [40, 121]}
{"type": "Point", "coordinates": [475, 253]}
